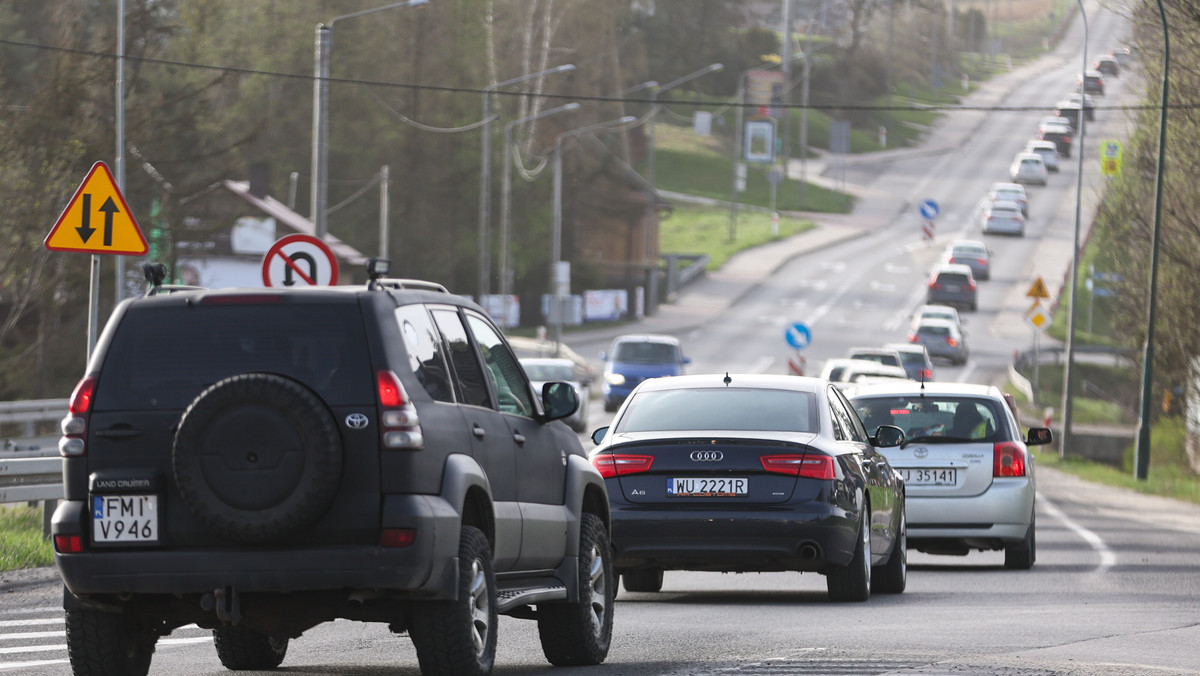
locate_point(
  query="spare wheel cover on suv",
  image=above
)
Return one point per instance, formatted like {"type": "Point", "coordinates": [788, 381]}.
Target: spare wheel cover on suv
{"type": "Point", "coordinates": [257, 457]}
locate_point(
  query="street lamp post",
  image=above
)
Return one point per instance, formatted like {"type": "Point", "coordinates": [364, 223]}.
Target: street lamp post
{"type": "Point", "coordinates": [1142, 450]}
{"type": "Point", "coordinates": [556, 231]}
{"type": "Point", "coordinates": [648, 244]}
{"type": "Point", "coordinates": [485, 173]}
{"type": "Point", "coordinates": [320, 149]}
{"type": "Point", "coordinates": [1068, 371]}
{"type": "Point", "coordinates": [506, 198]}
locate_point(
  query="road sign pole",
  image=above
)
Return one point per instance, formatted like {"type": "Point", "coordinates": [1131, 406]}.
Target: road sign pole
{"type": "Point", "coordinates": [93, 306]}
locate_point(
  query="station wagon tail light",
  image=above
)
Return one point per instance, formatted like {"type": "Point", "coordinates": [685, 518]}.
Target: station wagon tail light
{"type": "Point", "coordinates": [1008, 459]}
{"type": "Point", "coordinates": [809, 465]}
{"type": "Point", "coordinates": [619, 464]}
{"type": "Point", "coordinates": [398, 418]}
{"type": "Point", "coordinates": [72, 443]}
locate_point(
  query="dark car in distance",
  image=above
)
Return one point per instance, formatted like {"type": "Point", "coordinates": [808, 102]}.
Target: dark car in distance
{"type": "Point", "coordinates": [952, 284]}
{"type": "Point", "coordinates": [751, 473]}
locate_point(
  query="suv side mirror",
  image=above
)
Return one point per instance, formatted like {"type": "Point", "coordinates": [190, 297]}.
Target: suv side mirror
{"type": "Point", "coordinates": [559, 400]}
{"type": "Point", "coordinates": [1039, 436]}
{"type": "Point", "coordinates": [887, 436]}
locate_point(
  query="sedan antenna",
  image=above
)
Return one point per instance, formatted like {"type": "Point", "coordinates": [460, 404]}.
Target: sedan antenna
{"type": "Point", "coordinates": [727, 379]}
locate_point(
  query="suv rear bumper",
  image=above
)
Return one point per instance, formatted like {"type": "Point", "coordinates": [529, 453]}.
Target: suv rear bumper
{"type": "Point", "coordinates": [426, 568]}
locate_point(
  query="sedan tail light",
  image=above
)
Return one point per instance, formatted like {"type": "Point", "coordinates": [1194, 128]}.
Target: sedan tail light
{"type": "Point", "coordinates": [913, 338]}
{"type": "Point", "coordinates": [951, 341]}
{"type": "Point", "coordinates": [1008, 459]}
{"type": "Point", "coordinates": [810, 465]}
{"type": "Point", "coordinates": [615, 464]}
{"type": "Point", "coordinates": [926, 374]}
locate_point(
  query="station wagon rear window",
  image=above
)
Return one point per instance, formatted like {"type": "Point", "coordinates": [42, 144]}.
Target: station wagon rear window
{"type": "Point", "coordinates": [739, 409]}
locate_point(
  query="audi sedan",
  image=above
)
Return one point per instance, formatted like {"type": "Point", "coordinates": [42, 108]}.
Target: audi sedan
{"type": "Point", "coordinates": [752, 473]}
{"type": "Point", "coordinates": [967, 469]}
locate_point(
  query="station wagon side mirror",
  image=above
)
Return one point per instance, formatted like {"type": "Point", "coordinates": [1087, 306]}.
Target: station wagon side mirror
{"type": "Point", "coordinates": [887, 436]}
{"type": "Point", "coordinates": [686, 360]}
{"type": "Point", "coordinates": [599, 434]}
{"type": "Point", "coordinates": [1039, 436]}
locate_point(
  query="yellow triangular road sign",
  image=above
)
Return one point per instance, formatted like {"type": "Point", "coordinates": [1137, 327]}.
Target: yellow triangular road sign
{"type": "Point", "coordinates": [97, 220]}
{"type": "Point", "coordinates": [1037, 289]}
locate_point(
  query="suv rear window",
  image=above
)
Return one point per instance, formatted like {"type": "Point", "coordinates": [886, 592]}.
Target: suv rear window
{"type": "Point", "coordinates": [163, 357]}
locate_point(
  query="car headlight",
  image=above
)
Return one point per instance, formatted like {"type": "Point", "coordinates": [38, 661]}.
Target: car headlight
{"type": "Point", "coordinates": [615, 379]}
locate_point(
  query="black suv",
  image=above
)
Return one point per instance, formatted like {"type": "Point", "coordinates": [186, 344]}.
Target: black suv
{"type": "Point", "coordinates": [260, 461]}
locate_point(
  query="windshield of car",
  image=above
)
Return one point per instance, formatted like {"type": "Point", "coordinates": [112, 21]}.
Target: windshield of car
{"type": "Point", "coordinates": [740, 409]}
{"type": "Point", "coordinates": [927, 418]}
{"type": "Point", "coordinates": [646, 352]}
{"type": "Point", "coordinates": [543, 372]}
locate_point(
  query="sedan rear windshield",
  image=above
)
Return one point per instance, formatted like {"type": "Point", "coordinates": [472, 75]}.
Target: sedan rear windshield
{"type": "Point", "coordinates": [543, 372]}
{"type": "Point", "coordinates": [736, 409]}
{"type": "Point", "coordinates": [951, 278]}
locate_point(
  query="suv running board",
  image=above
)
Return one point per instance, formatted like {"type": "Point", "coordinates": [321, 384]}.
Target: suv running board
{"type": "Point", "coordinates": [513, 598]}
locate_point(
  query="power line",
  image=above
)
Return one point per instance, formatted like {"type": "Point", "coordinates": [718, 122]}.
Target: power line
{"type": "Point", "coordinates": [574, 97]}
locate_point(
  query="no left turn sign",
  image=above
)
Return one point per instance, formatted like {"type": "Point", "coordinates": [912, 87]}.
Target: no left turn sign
{"type": "Point", "coordinates": [299, 260]}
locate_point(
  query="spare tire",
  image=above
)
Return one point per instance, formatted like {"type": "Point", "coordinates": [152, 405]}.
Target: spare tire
{"type": "Point", "coordinates": [257, 457]}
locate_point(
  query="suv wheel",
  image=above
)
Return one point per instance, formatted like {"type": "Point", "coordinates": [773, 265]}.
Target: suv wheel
{"type": "Point", "coordinates": [101, 643]}
{"type": "Point", "coordinates": [574, 634]}
{"type": "Point", "coordinates": [643, 579]}
{"type": "Point", "coordinates": [244, 649]}
{"type": "Point", "coordinates": [853, 582]}
{"type": "Point", "coordinates": [257, 457]}
{"type": "Point", "coordinates": [458, 638]}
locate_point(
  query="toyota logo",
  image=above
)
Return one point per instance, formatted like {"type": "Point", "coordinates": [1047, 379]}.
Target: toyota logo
{"type": "Point", "coordinates": [921, 452]}
{"type": "Point", "coordinates": [706, 456]}
{"type": "Point", "coordinates": [356, 421]}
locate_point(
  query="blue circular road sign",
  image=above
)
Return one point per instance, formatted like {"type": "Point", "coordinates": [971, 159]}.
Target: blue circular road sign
{"type": "Point", "coordinates": [798, 336]}
{"type": "Point", "coordinates": [929, 209]}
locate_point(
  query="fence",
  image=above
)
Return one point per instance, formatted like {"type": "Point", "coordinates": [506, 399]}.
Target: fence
{"type": "Point", "coordinates": [30, 467]}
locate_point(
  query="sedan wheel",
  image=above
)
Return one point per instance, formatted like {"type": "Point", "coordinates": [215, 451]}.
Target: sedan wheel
{"type": "Point", "coordinates": [853, 583]}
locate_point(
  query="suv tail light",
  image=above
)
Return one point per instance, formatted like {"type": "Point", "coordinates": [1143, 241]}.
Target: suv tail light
{"type": "Point", "coordinates": [810, 465]}
{"type": "Point", "coordinates": [399, 425]}
{"type": "Point", "coordinates": [1008, 459]}
{"type": "Point", "coordinates": [73, 442]}
{"type": "Point", "coordinates": [616, 464]}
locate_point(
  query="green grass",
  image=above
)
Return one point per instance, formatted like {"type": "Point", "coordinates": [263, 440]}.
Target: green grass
{"type": "Point", "coordinates": [21, 542]}
{"type": "Point", "coordinates": [697, 229]}
{"type": "Point", "coordinates": [702, 166]}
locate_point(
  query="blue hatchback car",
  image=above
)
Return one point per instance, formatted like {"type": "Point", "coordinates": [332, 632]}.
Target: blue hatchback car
{"type": "Point", "coordinates": [634, 358]}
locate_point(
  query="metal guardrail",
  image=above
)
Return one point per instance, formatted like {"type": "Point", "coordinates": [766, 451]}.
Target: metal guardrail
{"type": "Point", "coordinates": [30, 468]}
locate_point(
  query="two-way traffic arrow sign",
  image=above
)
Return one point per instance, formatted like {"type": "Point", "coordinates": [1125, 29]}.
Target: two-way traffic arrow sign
{"type": "Point", "coordinates": [118, 231]}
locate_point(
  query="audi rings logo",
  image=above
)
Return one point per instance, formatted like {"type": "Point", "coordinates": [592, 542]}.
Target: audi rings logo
{"type": "Point", "coordinates": [921, 452]}
{"type": "Point", "coordinates": [706, 456]}
{"type": "Point", "coordinates": [356, 421]}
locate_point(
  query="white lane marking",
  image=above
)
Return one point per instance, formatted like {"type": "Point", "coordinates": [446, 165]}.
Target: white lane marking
{"type": "Point", "coordinates": [29, 634]}
{"type": "Point", "coordinates": [25, 665]}
{"type": "Point", "coordinates": [29, 611]}
{"type": "Point", "coordinates": [28, 623]}
{"type": "Point", "coordinates": [63, 646]}
{"type": "Point", "coordinates": [1107, 558]}
{"type": "Point", "coordinates": [762, 365]}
